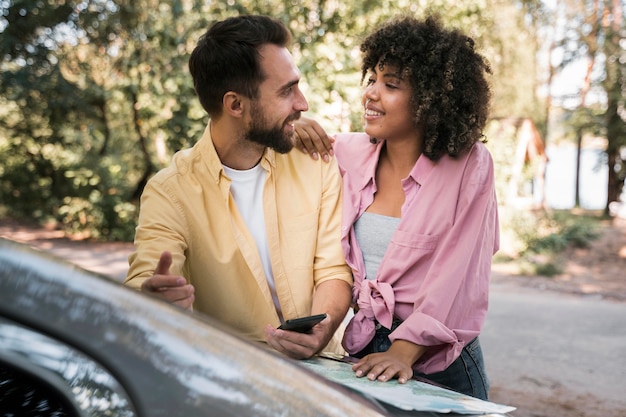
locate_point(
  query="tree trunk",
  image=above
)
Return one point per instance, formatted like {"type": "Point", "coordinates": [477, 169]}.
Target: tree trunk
{"type": "Point", "coordinates": [612, 20]}
{"type": "Point", "coordinates": [579, 146]}
{"type": "Point", "coordinates": [107, 134]}
{"type": "Point", "coordinates": [148, 166]}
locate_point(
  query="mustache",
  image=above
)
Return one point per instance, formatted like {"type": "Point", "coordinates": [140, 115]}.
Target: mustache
{"type": "Point", "coordinates": [293, 117]}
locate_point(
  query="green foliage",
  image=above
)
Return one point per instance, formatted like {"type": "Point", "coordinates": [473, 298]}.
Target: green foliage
{"type": "Point", "coordinates": [100, 216]}
{"type": "Point", "coordinates": [502, 143]}
{"type": "Point", "coordinates": [513, 58]}
{"type": "Point", "coordinates": [95, 95]}
{"type": "Point", "coordinates": [549, 232]}
{"type": "Point", "coordinates": [547, 269]}
{"type": "Point", "coordinates": [544, 236]}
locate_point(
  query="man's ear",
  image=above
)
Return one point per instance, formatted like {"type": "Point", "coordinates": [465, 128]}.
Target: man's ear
{"type": "Point", "coordinates": [233, 104]}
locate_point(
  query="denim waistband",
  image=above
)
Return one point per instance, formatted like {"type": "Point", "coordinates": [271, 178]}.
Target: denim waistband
{"type": "Point", "coordinates": [394, 325]}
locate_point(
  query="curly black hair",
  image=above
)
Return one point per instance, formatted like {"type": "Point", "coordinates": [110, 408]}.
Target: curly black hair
{"type": "Point", "coordinates": [451, 94]}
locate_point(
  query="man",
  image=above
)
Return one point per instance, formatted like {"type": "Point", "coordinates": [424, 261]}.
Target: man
{"type": "Point", "coordinates": [237, 226]}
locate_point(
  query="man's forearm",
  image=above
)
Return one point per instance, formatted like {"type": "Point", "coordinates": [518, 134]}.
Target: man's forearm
{"type": "Point", "coordinates": [333, 298]}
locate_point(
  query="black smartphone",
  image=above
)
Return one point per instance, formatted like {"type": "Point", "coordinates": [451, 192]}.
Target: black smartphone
{"type": "Point", "coordinates": [302, 324]}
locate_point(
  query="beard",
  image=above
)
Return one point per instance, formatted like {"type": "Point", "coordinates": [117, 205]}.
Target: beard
{"type": "Point", "coordinates": [272, 137]}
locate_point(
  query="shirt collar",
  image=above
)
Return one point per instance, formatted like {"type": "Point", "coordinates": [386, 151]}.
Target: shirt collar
{"type": "Point", "coordinates": [213, 162]}
{"type": "Point", "coordinates": [420, 172]}
{"type": "Point", "coordinates": [422, 169]}
{"type": "Point", "coordinates": [369, 167]}
{"type": "Point", "coordinates": [269, 156]}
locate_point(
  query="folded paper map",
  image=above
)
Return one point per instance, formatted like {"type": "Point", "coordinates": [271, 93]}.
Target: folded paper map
{"type": "Point", "coordinates": [414, 395]}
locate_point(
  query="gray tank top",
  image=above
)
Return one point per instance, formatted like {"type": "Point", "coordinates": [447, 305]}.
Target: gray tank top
{"type": "Point", "coordinates": [373, 232]}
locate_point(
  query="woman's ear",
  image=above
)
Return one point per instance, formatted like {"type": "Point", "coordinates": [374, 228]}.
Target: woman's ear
{"type": "Point", "coordinates": [233, 104]}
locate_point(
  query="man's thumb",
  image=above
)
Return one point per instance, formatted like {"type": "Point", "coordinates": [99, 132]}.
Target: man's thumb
{"type": "Point", "coordinates": [163, 267]}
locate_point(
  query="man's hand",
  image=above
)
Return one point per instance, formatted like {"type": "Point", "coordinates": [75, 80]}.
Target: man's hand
{"type": "Point", "coordinates": [312, 139]}
{"type": "Point", "coordinates": [171, 288]}
{"type": "Point", "coordinates": [300, 345]}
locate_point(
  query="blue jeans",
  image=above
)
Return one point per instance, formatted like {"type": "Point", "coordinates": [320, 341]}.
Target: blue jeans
{"type": "Point", "coordinates": [466, 374]}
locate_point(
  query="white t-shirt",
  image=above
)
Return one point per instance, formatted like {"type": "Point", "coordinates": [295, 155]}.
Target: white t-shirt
{"type": "Point", "coordinates": [247, 191]}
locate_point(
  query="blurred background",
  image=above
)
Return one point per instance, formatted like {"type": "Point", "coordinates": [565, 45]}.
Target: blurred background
{"type": "Point", "coordinates": [95, 97]}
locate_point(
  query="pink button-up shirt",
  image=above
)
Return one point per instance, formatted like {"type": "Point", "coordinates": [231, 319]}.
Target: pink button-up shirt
{"type": "Point", "coordinates": [435, 273]}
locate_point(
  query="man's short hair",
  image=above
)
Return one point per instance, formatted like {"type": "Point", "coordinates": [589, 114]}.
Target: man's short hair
{"type": "Point", "coordinates": [227, 58]}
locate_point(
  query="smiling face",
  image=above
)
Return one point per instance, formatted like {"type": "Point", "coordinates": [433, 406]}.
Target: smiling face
{"type": "Point", "coordinates": [387, 103]}
{"type": "Point", "coordinates": [279, 101]}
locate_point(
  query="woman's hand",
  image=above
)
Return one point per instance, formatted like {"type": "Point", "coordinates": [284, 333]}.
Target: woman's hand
{"type": "Point", "coordinates": [397, 362]}
{"type": "Point", "coordinates": [311, 138]}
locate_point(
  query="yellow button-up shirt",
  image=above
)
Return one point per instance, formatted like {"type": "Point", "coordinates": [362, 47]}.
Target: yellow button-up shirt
{"type": "Point", "coordinates": [188, 210]}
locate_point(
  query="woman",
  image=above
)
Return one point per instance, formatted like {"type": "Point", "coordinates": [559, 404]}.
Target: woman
{"type": "Point", "coordinates": [420, 216]}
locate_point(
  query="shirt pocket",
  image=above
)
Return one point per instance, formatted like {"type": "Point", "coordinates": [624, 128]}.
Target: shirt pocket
{"type": "Point", "coordinates": [407, 249]}
{"type": "Point", "coordinates": [299, 240]}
